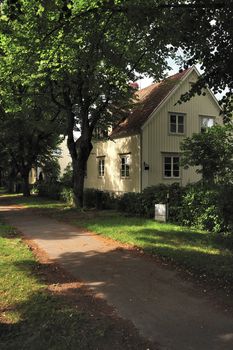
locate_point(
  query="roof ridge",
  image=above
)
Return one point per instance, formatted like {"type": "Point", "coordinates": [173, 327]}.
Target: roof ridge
{"type": "Point", "coordinates": [183, 72]}
{"type": "Point", "coordinates": [148, 99]}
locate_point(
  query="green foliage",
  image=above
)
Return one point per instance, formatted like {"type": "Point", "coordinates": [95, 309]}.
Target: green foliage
{"type": "Point", "coordinates": [192, 249]}
{"type": "Point", "coordinates": [99, 199]}
{"type": "Point", "coordinates": [50, 190]}
{"type": "Point", "coordinates": [205, 207]}
{"type": "Point", "coordinates": [143, 204]}
{"type": "Point", "coordinates": [200, 208]}
{"type": "Point", "coordinates": [207, 37]}
{"type": "Point", "coordinates": [67, 195]}
{"type": "Point", "coordinates": [212, 152]}
{"type": "Point", "coordinates": [225, 239]}
{"type": "Point", "coordinates": [208, 207]}
{"type": "Point", "coordinates": [37, 318]}
{"type": "Point", "coordinates": [73, 60]}
{"type": "Point", "coordinates": [67, 177]}
{"type": "Point", "coordinates": [51, 169]}
{"type": "Point", "coordinates": [131, 203]}
{"type": "Point", "coordinates": [81, 56]}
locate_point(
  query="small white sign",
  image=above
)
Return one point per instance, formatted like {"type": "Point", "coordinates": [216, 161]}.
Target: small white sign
{"type": "Point", "coordinates": [161, 212]}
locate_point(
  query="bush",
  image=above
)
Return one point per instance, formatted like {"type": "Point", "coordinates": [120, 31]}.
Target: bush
{"type": "Point", "coordinates": [98, 199]}
{"type": "Point", "coordinates": [143, 204]}
{"type": "Point", "coordinates": [225, 202]}
{"type": "Point", "coordinates": [208, 207]}
{"type": "Point", "coordinates": [131, 203]}
{"type": "Point", "coordinates": [50, 189]}
{"type": "Point", "coordinates": [226, 239]}
{"type": "Point", "coordinates": [153, 195]}
{"type": "Point", "coordinates": [205, 207]}
{"type": "Point", "coordinates": [67, 195]}
{"type": "Point", "coordinates": [67, 177]}
{"type": "Point", "coordinates": [171, 194]}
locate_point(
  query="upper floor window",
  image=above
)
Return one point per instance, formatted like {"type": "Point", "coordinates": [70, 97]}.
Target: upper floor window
{"type": "Point", "coordinates": [171, 166]}
{"type": "Point", "coordinates": [101, 166]}
{"type": "Point", "coordinates": [206, 122]}
{"type": "Point", "coordinates": [176, 123]}
{"type": "Point", "coordinates": [125, 165]}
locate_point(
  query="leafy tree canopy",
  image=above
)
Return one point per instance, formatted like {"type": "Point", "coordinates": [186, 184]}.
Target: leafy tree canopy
{"type": "Point", "coordinates": [84, 53]}
{"type": "Point", "coordinates": [212, 152]}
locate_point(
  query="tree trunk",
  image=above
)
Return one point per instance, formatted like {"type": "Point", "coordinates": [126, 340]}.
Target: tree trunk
{"type": "Point", "coordinates": [79, 150]}
{"type": "Point", "coordinates": [79, 161]}
{"type": "Point", "coordinates": [11, 185]}
{"type": "Point", "coordinates": [26, 187]}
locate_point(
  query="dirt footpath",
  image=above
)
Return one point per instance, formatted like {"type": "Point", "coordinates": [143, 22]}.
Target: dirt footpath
{"type": "Point", "coordinates": [162, 306]}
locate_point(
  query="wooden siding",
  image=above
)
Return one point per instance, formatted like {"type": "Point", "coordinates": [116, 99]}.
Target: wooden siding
{"type": "Point", "coordinates": [111, 151]}
{"type": "Point", "coordinates": [65, 157]}
{"type": "Point", "coordinates": [157, 141]}
{"type": "Point", "coordinates": [32, 176]}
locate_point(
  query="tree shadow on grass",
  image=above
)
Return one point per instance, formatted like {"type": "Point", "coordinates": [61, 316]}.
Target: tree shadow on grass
{"type": "Point", "coordinates": [65, 315]}
{"type": "Point", "coordinates": [138, 286]}
{"type": "Point", "coordinates": [48, 321]}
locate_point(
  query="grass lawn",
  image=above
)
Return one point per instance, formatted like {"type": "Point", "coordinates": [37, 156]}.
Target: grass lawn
{"type": "Point", "coordinates": [32, 202]}
{"type": "Point", "coordinates": [35, 316]}
{"type": "Point", "coordinates": [194, 250]}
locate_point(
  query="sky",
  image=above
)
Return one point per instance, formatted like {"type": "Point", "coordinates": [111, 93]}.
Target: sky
{"type": "Point", "coordinates": [174, 69]}
{"type": "Point", "coordinates": [148, 81]}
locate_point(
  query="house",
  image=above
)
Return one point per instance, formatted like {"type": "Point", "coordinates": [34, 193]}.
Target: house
{"type": "Point", "coordinates": [144, 148]}
{"type": "Point", "coordinates": [64, 159]}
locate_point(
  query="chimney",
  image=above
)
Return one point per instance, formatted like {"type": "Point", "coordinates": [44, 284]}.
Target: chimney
{"type": "Point", "coordinates": [134, 85]}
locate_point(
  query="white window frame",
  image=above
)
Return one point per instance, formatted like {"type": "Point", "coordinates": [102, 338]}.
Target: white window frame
{"type": "Point", "coordinates": [203, 127]}
{"type": "Point", "coordinates": [177, 115]}
{"type": "Point", "coordinates": [101, 166]}
{"type": "Point", "coordinates": [125, 166]}
{"type": "Point", "coordinates": [172, 156]}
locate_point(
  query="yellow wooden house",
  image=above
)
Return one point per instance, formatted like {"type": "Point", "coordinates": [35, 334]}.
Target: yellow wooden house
{"type": "Point", "coordinates": [144, 148]}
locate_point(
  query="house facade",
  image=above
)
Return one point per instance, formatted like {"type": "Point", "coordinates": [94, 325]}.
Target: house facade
{"type": "Point", "coordinates": [144, 148]}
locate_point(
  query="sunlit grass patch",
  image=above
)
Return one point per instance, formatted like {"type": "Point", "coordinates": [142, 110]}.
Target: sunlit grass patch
{"type": "Point", "coordinates": [190, 248]}
{"type": "Point", "coordinates": [32, 317]}
{"type": "Point", "coordinates": [16, 282]}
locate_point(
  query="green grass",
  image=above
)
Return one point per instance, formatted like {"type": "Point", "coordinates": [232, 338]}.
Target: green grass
{"type": "Point", "coordinates": [190, 248]}
{"type": "Point", "coordinates": [32, 202]}
{"type": "Point", "coordinates": [32, 318]}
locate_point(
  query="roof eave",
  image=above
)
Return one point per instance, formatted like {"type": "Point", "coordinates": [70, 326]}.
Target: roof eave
{"type": "Point", "coordinates": [162, 103]}
{"type": "Point", "coordinates": [173, 90]}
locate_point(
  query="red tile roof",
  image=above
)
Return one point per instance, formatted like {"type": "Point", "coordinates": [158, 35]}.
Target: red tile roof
{"type": "Point", "coordinates": [146, 101]}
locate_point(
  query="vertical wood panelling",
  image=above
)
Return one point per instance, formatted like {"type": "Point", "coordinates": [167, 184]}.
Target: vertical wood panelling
{"type": "Point", "coordinates": [160, 141]}
{"type": "Point", "coordinates": [112, 180]}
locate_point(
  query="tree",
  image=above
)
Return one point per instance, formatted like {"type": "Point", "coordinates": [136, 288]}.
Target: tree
{"type": "Point", "coordinates": [205, 35]}
{"type": "Point", "coordinates": [90, 51]}
{"type": "Point", "coordinates": [28, 133]}
{"type": "Point", "coordinates": [51, 169]}
{"type": "Point", "coordinates": [212, 152]}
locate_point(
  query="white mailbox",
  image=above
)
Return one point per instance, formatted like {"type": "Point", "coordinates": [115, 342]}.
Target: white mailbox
{"type": "Point", "coordinates": [161, 212]}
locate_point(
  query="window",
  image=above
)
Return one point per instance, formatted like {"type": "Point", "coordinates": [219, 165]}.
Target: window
{"type": "Point", "coordinates": [101, 164]}
{"type": "Point", "coordinates": [206, 122]}
{"type": "Point", "coordinates": [125, 159]}
{"type": "Point", "coordinates": [176, 123]}
{"type": "Point", "coordinates": [171, 166]}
